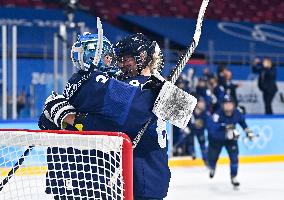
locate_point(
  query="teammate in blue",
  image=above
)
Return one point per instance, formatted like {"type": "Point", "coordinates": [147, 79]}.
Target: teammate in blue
{"type": "Point", "coordinates": [151, 171]}
{"type": "Point", "coordinates": [222, 132]}
{"type": "Point", "coordinates": [203, 91]}
{"type": "Point", "coordinates": [218, 91]}
{"type": "Point", "coordinates": [197, 127]}
{"type": "Point", "coordinates": [137, 58]}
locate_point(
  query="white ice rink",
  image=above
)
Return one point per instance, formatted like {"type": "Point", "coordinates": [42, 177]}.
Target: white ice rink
{"type": "Point", "coordinates": [258, 182]}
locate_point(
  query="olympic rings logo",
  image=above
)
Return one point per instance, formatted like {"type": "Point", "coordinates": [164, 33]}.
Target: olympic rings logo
{"type": "Point", "coordinates": [268, 34]}
{"type": "Point", "coordinates": [263, 136]}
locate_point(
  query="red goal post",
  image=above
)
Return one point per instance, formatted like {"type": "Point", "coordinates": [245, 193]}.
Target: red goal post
{"type": "Point", "coordinates": [18, 152]}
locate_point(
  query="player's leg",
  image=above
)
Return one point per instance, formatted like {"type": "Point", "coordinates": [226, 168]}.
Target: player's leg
{"type": "Point", "coordinates": [190, 145]}
{"type": "Point", "coordinates": [201, 141]}
{"type": "Point", "coordinates": [180, 141]}
{"type": "Point", "coordinates": [214, 151]}
{"type": "Point", "coordinates": [233, 151]}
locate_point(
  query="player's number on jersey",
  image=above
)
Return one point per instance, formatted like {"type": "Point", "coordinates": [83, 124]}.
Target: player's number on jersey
{"type": "Point", "coordinates": [134, 83]}
{"type": "Point", "coordinates": [161, 125]}
{"type": "Point", "coordinates": [101, 78]}
{"type": "Point", "coordinates": [215, 117]}
{"type": "Point", "coordinates": [162, 133]}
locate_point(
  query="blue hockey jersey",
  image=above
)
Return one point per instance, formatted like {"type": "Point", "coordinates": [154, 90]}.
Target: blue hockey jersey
{"type": "Point", "coordinates": [198, 122]}
{"type": "Point", "coordinates": [110, 98]}
{"type": "Point", "coordinates": [217, 126]}
{"type": "Point", "coordinates": [115, 106]}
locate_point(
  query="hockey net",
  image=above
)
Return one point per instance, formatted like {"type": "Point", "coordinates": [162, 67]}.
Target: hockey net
{"type": "Point", "coordinates": [65, 165]}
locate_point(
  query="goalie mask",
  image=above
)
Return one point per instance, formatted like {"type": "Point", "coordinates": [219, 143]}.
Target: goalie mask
{"type": "Point", "coordinates": [84, 50]}
{"type": "Point", "coordinates": [136, 52]}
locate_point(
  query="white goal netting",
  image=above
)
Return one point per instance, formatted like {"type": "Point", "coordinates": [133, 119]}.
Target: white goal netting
{"type": "Point", "coordinates": [65, 165]}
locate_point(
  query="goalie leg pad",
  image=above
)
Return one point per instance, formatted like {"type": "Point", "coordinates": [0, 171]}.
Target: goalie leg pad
{"type": "Point", "coordinates": [174, 105]}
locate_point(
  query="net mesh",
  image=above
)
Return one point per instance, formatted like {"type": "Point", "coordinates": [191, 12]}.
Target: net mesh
{"type": "Point", "coordinates": [60, 166]}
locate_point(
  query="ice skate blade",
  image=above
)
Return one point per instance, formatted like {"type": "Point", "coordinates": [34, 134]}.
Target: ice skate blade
{"type": "Point", "coordinates": [236, 188]}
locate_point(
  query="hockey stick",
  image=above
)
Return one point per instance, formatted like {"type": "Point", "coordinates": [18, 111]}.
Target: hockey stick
{"type": "Point", "coordinates": [249, 144]}
{"type": "Point", "coordinates": [15, 167]}
{"type": "Point", "coordinates": [181, 63]}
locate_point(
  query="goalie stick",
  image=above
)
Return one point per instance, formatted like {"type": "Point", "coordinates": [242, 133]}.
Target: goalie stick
{"type": "Point", "coordinates": [71, 89]}
{"type": "Point", "coordinates": [181, 63]}
{"type": "Point", "coordinates": [249, 144]}
{"type": "Point", "coordinates": [15, 167]}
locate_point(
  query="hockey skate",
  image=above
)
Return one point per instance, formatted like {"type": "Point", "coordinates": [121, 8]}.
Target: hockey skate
{"type": "Point", "coordinates": [235, 182]}
{"type": "Point", "coordinates": [211, 173]}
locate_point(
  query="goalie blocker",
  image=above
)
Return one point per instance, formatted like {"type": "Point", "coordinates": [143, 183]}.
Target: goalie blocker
{"type": "Point", "coordinates": [174, 105]}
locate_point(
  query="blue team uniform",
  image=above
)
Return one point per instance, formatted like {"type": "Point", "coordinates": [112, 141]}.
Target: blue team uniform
{"type": "Point", "coordinates": [217, 138]}
{"type": "Point", "coordinates": [206, 95]}
{"type": "Point", "coordinates": [219, 93]}
{"type": "Point", "coordinates": [197, 125]}
{"type": "Point", "coordinates": [127, 113]}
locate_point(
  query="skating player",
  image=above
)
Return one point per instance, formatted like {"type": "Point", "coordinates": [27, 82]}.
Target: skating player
{"type": "Point", "coordinates": [223, 133]}
{"type": "Point", "coordinates": [197, 127]}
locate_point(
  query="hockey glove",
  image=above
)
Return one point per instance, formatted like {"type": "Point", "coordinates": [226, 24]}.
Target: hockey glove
{"type": "Point", "coordinates": [231, 132]}
{"type": "Point", "coordinates": [57, 108]}
{"type": "Point", "coordinates": [155, 83]}
{"type": "Point", "coordinates": [46, 124]}
{"type": "Point", "coordinates": [230, 127]}
{"type": "Point", "coordinates": [249, 133]}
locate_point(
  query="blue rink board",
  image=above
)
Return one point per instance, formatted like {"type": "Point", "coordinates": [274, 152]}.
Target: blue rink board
{"type": "Point", "coordinates": [269, 142]}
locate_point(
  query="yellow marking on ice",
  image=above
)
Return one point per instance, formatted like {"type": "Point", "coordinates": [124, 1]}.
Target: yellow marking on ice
{"type": "Point", "coordinates": [79, 127]}
{"type": "Point", "coordinates": [174, 162]}
{"type": "Point", "coordinates": [188, 162]}
{"type": "Point", "coordinates": [25, 171]}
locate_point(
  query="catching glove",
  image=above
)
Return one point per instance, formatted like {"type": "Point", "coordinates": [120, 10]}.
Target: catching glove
{"type": "Point", "coordinates": [155, 83]}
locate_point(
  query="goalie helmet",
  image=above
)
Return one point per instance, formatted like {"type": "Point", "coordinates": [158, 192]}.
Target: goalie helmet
{"type": "Point", "coordinates": [145, 52]}
{"type": "Point", "coordinates": [83, 52]}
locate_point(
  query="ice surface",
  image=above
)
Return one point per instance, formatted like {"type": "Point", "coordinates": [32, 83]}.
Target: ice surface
{"type": "Point", "coordinates": [258, 182]}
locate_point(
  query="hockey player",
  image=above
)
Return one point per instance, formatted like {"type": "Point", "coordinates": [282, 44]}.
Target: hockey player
{"type": "Point", "coordinates": [93, 91]}
{"type": "Point", "coordinates": [150, 155]}
{"type": "Point", "coordinates": [203, 91]}
{"type": "Point", "coordinates": [89, 93]}
{"type": "Point", "coordinates": [217, 91]}
{"type": "Point", "coordinates": [151, 171]}
{"type": "Point", "coordinates": [197, 126]}
{"type": "Point", "coordinates": [222, 132]}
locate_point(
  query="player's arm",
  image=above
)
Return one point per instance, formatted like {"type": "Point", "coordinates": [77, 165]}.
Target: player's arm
{"type": "Point", "coordinates": [111, 98]}
{"type": "Point", "coordinates": [115, 100]}
{"type": "Point", "coordinates": [256, 66]}
{"type": "Point", "coordinates": [213, 123]}
{"type": "Point", "coordinates": [243, 124]}
{"type": "Point", "coordinates": [101, 96]}
{"type": "Point", "coordinates": [55, 111]}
